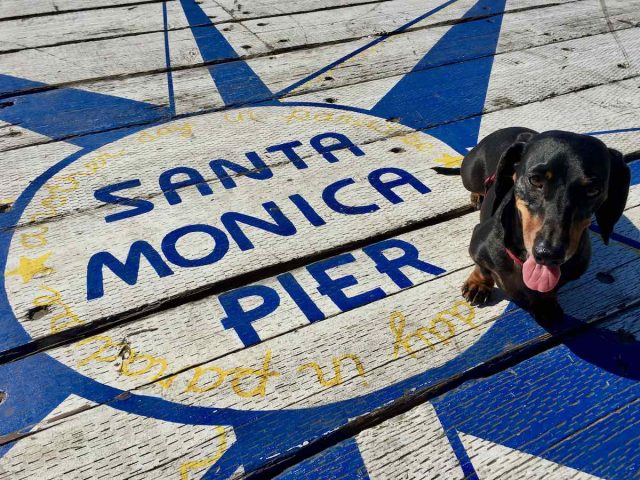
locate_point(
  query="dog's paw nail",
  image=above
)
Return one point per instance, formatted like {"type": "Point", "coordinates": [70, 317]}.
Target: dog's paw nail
{"type": "Point", "coordinates": [471, 295]}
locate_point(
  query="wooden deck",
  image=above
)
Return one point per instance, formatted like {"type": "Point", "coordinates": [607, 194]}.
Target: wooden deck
{"type": "Point", "coordinates": [225, 253]}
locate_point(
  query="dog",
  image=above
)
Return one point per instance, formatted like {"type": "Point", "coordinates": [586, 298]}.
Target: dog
{"type": "Point", "coordinates": [537, 193]}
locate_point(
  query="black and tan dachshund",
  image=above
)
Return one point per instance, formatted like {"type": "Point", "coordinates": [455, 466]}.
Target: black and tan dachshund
{"type": "Point", "coordinates": [538, 193]}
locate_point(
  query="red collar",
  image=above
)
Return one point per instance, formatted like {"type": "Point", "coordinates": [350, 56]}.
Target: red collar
{"type": "Point", "coordinates": [488, 182]}
{"type": "Point", "coordinates": [513, 257]}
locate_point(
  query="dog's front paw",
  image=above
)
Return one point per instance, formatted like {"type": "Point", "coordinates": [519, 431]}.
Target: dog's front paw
{"type": "Point", "coordinates": [477, 289]}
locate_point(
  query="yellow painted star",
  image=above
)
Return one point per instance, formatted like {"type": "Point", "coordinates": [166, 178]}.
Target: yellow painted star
{"type": "Point", "coordinates": [450, 160]}
{"type": "Point", "coordinates": [28, 267]}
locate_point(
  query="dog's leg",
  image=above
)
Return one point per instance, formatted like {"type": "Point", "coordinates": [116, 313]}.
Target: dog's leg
{"type": "Point", "coordinates": [477, 289]}
{"type": "Point", "coordinates": [476, 200]}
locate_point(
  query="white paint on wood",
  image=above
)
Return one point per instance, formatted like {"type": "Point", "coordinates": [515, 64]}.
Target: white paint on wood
{"type": "Point", "coordinates": [31, 161]}
{"type": "Point", "coordinates": [78, 62]}
{"type": "Point", "coordinates": [24, 8]}
{"type": "Point", "coordinates": [192, 334]}
{"type": "Point", "coordinates": [325, 337]}
{"type": "Point", "coordinates": [90, 25]}
{"type": "Point", "coordinates": [95, 448]}
{"type": "Point", "coordinates": [492, 461]}
{"type": "Point", "coordinates": [410, 446]}
{"type": "Point", "coordinates": [72, 240]}
{"type": "Point", "coordinates": [126, 55]}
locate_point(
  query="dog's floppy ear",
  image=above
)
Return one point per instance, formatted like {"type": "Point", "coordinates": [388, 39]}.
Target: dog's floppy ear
{"type": "Point", "coordinates": [506, 166]}
{"type": "Point", "coordinates": [617, 190]}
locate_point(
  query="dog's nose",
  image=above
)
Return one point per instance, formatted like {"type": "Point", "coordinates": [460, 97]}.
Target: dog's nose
{"type": "Point", "coordinates": [547, 254]}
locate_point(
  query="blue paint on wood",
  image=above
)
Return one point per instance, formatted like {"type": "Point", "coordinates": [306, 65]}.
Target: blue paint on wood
{"type": "Point", "coordinates": [237, 83]}
{"type": "Point", "coordinates": [616, 130]}
{"type": "Point", "coordinates": [357, 51]}
{"type": "Point", "coordinates": [433, 94]}
{"type": "Point", "coordinates": [32, 392]}
{"type": "Point", "coordinates": [464, 461]}
{"type": "Point", "coordinates": [635, 172]}
{"type": "Point", "coordinates": [70, 113]}
{"type": "Point", "coordinates": [342, 461]}
{"type": "Point", "coordinates": [430, 94]}
{"type": "Point", "coordinates": [167, 55]}
{"type": "Point", "coordinates": [560, 406]}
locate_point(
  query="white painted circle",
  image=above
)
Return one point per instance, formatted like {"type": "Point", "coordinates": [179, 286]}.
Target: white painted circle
{"type": "Point", "coordinates": [64, 226]}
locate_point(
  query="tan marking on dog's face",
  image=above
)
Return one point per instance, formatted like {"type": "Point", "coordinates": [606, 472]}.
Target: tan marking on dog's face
{"type": "Point", "coordinates": [548, 174]}
{"type": "Point", "coordinates": [531, 224]}
{"type": "Point", "coordinates": [575, 233]}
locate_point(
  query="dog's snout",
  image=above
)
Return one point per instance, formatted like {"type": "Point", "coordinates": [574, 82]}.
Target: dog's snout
{"type": "Point", "coordinates": [549, 254]}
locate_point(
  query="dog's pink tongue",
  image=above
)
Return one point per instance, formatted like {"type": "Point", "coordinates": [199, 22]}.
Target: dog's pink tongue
{"type": "Point", "coordinates": [540, 277]}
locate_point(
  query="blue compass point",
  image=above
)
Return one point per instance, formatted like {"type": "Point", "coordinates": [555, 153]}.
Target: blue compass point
{"type": "Point", "coordinates": [236, 82]}
{"type": "Point", "coordinates": [71, 114]}
{"type": "Point", "coordinates": [446, 90]}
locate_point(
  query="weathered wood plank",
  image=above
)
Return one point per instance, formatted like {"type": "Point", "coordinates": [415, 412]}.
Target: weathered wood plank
{"type": "Point", "coordinates": [74, 63]}
{"type": "Point", "coordinates": [157, 443]}
{"type": "Point", "coordinates": [73, 27]}
{"type": "Point", "coordinates": [380, 18]}
{"type": "Point", "coordinates": [521, 30]}
{"type": "Point", "coordinates": [609, 106]}
{"type": "Point", "coordinates": [80, 59]}
{"type": "Point", "coordinates": [269, 8]}
{"type": "Point", "coordinates": [374, 18]}
{"type": "Point", "coordinates": [541, 72]}
{"type": "Point", "coordinates": [193, 137]}
{"type": "Point", "coordinates": [407, 446]}
{"type": "Point", "coordinates": [11, 9]}
{"type": "Point", "coordinates": [596, 407]}
{"type": "Point", "coordinates": [25, 8]}
{"type": "Point", "coordinates": [195, 92]}
{"type": "Point", "coordinates": [374, 347]}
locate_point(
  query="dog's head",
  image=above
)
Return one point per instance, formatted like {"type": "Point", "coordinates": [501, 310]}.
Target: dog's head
{"type": "Point", "coordinates": [560, 181]}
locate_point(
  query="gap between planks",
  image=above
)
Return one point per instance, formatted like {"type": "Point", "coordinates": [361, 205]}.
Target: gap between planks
{"type": "Point", "coordinates": [275, 51]}
{"type": "Point", "coordinates": [293, 96]}
{"type": "Point", "coordinates": [612, 321]}
{"type": "Point", "coordinates": [121, 318]}
{"type": "Point", "coordinates": [134, 3]}
{"type": "Point", "coordinates": [234, 20]}
{"type": "Point", "coordinates": [213, 24]}
{"type": "Point", "coordinates": [404, 404]}
{"type": "Point", "coordinates": [103, 324]}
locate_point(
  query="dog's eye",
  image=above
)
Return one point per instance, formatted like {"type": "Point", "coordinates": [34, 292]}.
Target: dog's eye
{"type": "Point", "coordinates": [536, 180]}
{"type": "Point", "coordinates": [593, 192]}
